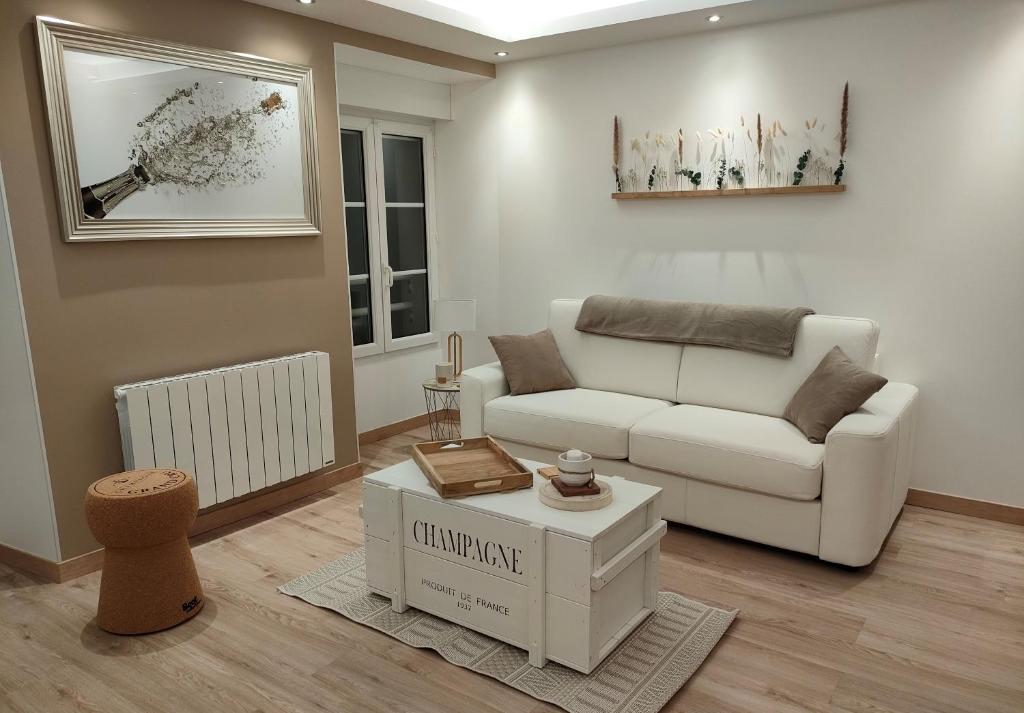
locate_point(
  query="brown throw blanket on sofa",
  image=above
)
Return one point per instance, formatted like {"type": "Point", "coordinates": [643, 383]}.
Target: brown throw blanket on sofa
{"type": "Point", "coordinates": [768, 330]}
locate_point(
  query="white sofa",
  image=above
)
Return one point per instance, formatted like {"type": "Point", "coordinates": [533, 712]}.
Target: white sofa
{"type": "Point", "coordinates": [704, 424]}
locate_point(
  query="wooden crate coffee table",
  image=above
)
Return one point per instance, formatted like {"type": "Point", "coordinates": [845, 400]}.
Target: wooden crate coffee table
{"type": "Point", "coordinates": [566, 586]}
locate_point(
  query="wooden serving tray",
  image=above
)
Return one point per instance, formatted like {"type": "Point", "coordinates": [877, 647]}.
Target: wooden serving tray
{"type": "Point", "coordinates": [470, 466]}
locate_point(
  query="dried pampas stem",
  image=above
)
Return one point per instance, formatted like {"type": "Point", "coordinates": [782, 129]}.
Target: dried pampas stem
{"type": "Point", "coordinates": [616, 144]}
{"type": "Point", "coordinates": [760, 135]}
{"type": "Point", "coordinates": [616, 153]}
{"type": "Point", "coordinates": [844, 119]}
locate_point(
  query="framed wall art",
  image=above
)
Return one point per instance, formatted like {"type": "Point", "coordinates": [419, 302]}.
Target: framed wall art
{"type": "Point", "coordinates": [155, 139]}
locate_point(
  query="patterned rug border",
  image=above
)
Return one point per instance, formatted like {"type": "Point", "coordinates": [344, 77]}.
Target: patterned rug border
{"type": "Point", "coordinates": [599, 692]}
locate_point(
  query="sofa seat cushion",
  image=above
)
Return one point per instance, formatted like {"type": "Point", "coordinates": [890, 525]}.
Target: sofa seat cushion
{"type": "Point", "coordinates": [597, 422]}
{"type": "Point", "coordinates": [733, 448]}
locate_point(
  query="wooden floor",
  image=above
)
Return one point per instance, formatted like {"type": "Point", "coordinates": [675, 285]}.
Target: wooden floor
{"type": "Point", "coordinates": [936, 625]}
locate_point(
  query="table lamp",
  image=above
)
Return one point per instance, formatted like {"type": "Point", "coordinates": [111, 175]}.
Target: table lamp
{"type": "Point", "coordinates": [455, 316]}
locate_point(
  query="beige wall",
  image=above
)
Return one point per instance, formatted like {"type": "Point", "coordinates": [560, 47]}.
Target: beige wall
{"type": "Point", "coordinates": [103, 314]}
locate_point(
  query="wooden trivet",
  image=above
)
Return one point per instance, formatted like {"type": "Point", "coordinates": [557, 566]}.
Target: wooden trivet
{"type": "Point", "coordinates": [575, 491]}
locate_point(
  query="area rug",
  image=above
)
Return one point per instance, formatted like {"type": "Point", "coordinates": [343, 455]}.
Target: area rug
{"type": "Point", "coordinates": [640, 676]}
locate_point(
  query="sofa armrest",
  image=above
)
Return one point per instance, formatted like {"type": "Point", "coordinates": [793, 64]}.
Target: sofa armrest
{"type": "Point", "coordinates": [479, 385]}
{"type": "Point", "coordinates": [866, 475]}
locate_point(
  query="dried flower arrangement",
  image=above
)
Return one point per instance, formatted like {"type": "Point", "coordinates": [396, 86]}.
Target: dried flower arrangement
{"type": "Point", "coordinates": [801, 166]}
{"type": "Point", "coordinates": [720, 176]}
{"type": "Point", "coordinates": [736, 173]}
{"type": "Point", "coordinates": [844, 118]}
{"type": "Point", "coordinates": [762, 147]}
{"type": "Point", "coordinates": [693, 176]}
{"type": "Point", "coordinates": [660, 173]}
{"type": "Point", "coordinates": [678, 167]}
{"type": "Point", "coordinates": [616, 153]}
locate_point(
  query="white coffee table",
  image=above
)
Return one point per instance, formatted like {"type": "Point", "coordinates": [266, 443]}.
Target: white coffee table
{"type": "Point", "coordinates": [566, 586]}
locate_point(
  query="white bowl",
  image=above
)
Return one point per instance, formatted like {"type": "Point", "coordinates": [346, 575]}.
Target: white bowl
{"type": "Point", "coordinates": [575, 467]}
{"type": "Point", "coordinates": [575, 479]}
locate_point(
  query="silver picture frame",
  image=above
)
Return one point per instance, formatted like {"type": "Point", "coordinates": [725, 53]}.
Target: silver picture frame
{"type": "Point", "coordinates": [55, 37]}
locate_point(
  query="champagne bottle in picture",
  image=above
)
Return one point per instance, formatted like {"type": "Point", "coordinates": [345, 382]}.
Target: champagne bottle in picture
{"type": "Point", "coordinates": [101, 198]}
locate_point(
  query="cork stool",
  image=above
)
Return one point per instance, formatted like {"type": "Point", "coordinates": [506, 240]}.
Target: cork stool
{"type": "Point", "coordinates": [149, 580]}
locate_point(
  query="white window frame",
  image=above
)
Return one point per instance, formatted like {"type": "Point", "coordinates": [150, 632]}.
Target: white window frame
{"type": "Point", "coordinates": [381, 277]}
{"type": "Point", "coordinates": [365, 126]}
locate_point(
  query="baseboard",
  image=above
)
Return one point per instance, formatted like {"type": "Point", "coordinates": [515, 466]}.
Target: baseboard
{"type": "Point", "coordinates": [49, 570]}
{"type": "Point", "coordinates": [209, 519]}
{"type": "Point", "coordinates": [393, 429]}
{"type": "Point", "coordinates": [27, 562]}
{"type": "Point", "coordinates": [270, 498]}
{"type": "Point", "coordinates": [966, 506]}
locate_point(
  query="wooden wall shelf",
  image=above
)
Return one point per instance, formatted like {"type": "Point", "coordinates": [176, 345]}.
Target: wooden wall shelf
{"type": "Point", "coordinates": [728, 192]}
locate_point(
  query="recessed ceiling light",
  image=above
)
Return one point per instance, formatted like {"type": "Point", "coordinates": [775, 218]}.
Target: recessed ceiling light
{"type": "Point", "coordinates": [501, 53]}
{"type": "Point", "coordinates": [306, 2]}
{"type": "Point", "coordinates": [713, 18]}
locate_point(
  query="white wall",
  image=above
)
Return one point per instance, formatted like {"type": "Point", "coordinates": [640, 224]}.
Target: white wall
{"type": "Point", "coordinates": [26, 504]}
{"type": "Point", "coordinates": [379, 91]}
{"type": "Point", "coordinates": [389, 386]}
{"type": "Point", "coordinates": [928, 240]}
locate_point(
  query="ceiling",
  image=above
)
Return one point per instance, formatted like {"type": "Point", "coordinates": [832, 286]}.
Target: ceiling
{"type": "Point", "coordinates": [382, 62]}
{"type": "Point", "coordinates": [479, 28]}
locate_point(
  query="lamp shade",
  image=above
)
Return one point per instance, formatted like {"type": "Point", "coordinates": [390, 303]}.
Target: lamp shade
{"type": "Point", "coordinates": [455, 315]}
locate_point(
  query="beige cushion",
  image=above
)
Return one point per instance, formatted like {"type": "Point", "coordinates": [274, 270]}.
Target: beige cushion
{"type": "Point", "coordinates": [741, 450]}
{"type": "Point", "coordinates": [597, 422]}
{"type": "Point", "coordinates": [531, 363]}
{"type": "Point", "coordinates": [837, 387]}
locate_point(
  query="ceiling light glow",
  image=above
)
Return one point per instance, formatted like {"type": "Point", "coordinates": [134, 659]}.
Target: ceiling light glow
{"type": "Point", "coordinates": [713, 18]}
{"type": "Point", "coordinates": [306, 2]}
{"type": "Point", "coordinates": [529, 10]}
{"type": "Point", "coordinates": [511, 21]}
{"type": "Point", "coordinates": [527, 19]}
{"type": "Point", "coordinates": [501, 53]}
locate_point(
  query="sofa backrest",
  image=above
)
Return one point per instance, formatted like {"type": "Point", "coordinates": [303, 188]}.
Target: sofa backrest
{"type": "Point", "coordinates": [759, 383]}
{"type": "Point", "coordinates": [626, 366]}
{"type": "Point", "coordinates": [706, 376]}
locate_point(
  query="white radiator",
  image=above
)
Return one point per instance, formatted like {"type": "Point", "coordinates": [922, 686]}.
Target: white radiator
{"type": "Point", "coordinates": [237, 429]}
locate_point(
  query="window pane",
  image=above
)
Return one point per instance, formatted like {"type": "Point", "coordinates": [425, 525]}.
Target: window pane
{"type": "Point", "coordinates": [403, 169]}
{"type": "Point", "coordinates": [362, 322]}
{"type": "Point", "coordinates": [352, 166]}
{"type": "Point", "coordinates": [357, 235]}
{"type": "Point", "coordinates": [358, 241]}
{"type": "Point", "coordinates": [410, 308]}
{"type": "Point", "coordinates": [407, 238]}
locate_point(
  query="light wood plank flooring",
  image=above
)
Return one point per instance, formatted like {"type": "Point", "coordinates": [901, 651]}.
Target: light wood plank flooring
{"type": "Point", "coordinates": [936, 625]}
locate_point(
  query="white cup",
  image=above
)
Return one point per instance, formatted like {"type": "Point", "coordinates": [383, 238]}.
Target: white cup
{"type": "Point", "coordinates": [444, 372]}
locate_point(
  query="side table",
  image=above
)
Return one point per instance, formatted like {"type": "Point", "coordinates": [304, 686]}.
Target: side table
{"type": "Point", "coordinates": [442, 409]}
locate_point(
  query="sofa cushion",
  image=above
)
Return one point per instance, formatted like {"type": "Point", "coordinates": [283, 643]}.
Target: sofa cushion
{"type": "Point", "coordinates": [759, 383]}
{"type": "Point", "coordinates": [741, 450]}
{"type": "Point", "coordinates": [597, 422]}
{"type": "Point", "coordinates": [531, 362]}
{"type": "Point", "coordinates": [627, 366]}
{"type": "Point", "coordinates": [836, 388]}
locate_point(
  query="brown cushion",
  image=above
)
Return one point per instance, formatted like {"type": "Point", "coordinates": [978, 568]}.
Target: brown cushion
{"type": "Point", "coordinates": [834, 389]}
{"type": "Point", "coordinates": [532, 363]}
